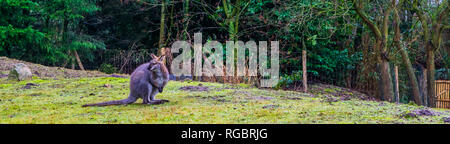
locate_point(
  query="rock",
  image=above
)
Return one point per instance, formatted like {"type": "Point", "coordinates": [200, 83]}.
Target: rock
{"type": "Point", "coordinates": [107, 85]}
{"type": "Point", "coordinates": [20, 72]}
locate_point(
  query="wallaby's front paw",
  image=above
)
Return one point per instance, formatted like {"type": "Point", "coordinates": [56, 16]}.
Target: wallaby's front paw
{"type": "Point", "coordinates": [154, 103]}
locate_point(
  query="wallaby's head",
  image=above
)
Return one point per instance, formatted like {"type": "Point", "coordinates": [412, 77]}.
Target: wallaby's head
{"type": "Point", "coordinates": [157, 65]}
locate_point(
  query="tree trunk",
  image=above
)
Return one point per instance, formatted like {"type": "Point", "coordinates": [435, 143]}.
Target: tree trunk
{"type": "Point", "coordinates": [72, 61]}
{"type": "Point", "coordinates": [78, 60]}
{"type": "Point", "coordinates": [431, 78]}
{"type": "Point", "coordinates": [385, 82]}
{"type": "Point", "coordinates": [162, 25]}
{"type": "Point", "coordinates": [424, 87]}
{"type": "Point", "coordinates": [232, 17]}
{"type": "Point", "coordinates": [66, 61]}
{"type": "Point", "coordinates": [397, 89]}
{"type": "Point", "coordinates": [412, 76]}
{"type": "Point", "coordinates": [185, 19]}
{"type": "Point", "coordinates": [305, 77]}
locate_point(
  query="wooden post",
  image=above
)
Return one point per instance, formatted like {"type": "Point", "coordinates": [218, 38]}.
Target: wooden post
{"type": "Point", "coordinates": [305, 78]}
{"type": "Point", "coordinates": [397, 93]}
{"type": "Point", "coordinates": [438, 88]}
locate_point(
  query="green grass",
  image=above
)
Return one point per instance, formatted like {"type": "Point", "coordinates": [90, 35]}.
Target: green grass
{"type": "Point", "coordinates": [59, 101]}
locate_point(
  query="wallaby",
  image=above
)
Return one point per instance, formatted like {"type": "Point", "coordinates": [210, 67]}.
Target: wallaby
{"type": "Point", "coordinates": [145, 82]}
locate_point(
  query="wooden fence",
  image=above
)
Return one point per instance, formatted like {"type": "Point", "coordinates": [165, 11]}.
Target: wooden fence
{"type": "Point", "coordinates": [443, 94]}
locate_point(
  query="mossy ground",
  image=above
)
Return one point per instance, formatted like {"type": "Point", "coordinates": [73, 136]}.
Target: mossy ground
{"type": "Point", "coordinates": [60, 100]}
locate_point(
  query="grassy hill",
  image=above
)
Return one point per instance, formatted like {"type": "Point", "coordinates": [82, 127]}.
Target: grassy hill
{"type": "Point", "coordinates": [59, 99]}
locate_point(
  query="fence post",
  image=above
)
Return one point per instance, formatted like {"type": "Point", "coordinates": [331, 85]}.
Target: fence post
{"type": "Point", "coordinates": [305, 78]}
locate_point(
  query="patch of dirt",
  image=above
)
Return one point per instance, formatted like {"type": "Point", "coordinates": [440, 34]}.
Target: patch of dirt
{"type": "Point", "coordinates": [6, 64]}
{"type": "Point", "coordinates": [241, 93]}
{"type": "Point", "coordinates": [29, 86]}
{"type": "Point", "coordinates": [3, 75]}
{"type": "Point", "coordinates": [220, 98]}
{"type": "Point", "coordinates": [195, 88]}
{"type": "Point", "coordinates": [419, 112]}
{"type": "Point", "coordinates": [118, 76]}
{"type": "Point", "coordinates": [290, 98]}
{"type": "Point", "coordinates": [270, 106]}
{"type": "Point", "coordinates": [408, 115]}
{"type": "Point", "coordinates": [345, 98]}
{"type": "Point", "coordinates": [329, 99]}
{"type": "Point", "coordinates": [426, 112]}
{"type": "Point", "coordinates": [35, 95]}
{"type": "Point", "coordinates": [446, 119]}
{"type": "Point", "coordinates": [227, 88]}
{"type": "Point", "coordinates": [260, 98]}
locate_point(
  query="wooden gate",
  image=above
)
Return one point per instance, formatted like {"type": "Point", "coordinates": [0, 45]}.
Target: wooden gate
{"type": "Point", "coordinates": [443, 94]}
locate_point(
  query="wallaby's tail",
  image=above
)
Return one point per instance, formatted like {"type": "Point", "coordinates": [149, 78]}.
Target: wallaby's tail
{"type": "Point", "coordinates": [116, 102]}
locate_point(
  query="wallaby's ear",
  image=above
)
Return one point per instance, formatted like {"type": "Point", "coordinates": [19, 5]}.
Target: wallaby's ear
{"type": "Point", "coordinates": [162, 58]}
{"type": "Point", "coordinates": [154, 56]}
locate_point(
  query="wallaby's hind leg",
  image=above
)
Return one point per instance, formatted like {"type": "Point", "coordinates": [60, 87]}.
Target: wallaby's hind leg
{"type": "Point", "coordinates": [146, 97]}
{"type": "Point", "coordinates": [152, 94]}
{"type": "Point", "coordinates": [145, 100]}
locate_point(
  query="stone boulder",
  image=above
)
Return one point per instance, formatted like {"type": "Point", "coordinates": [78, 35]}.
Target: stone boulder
{"type": "Point", "coordinates": [20, 72]}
